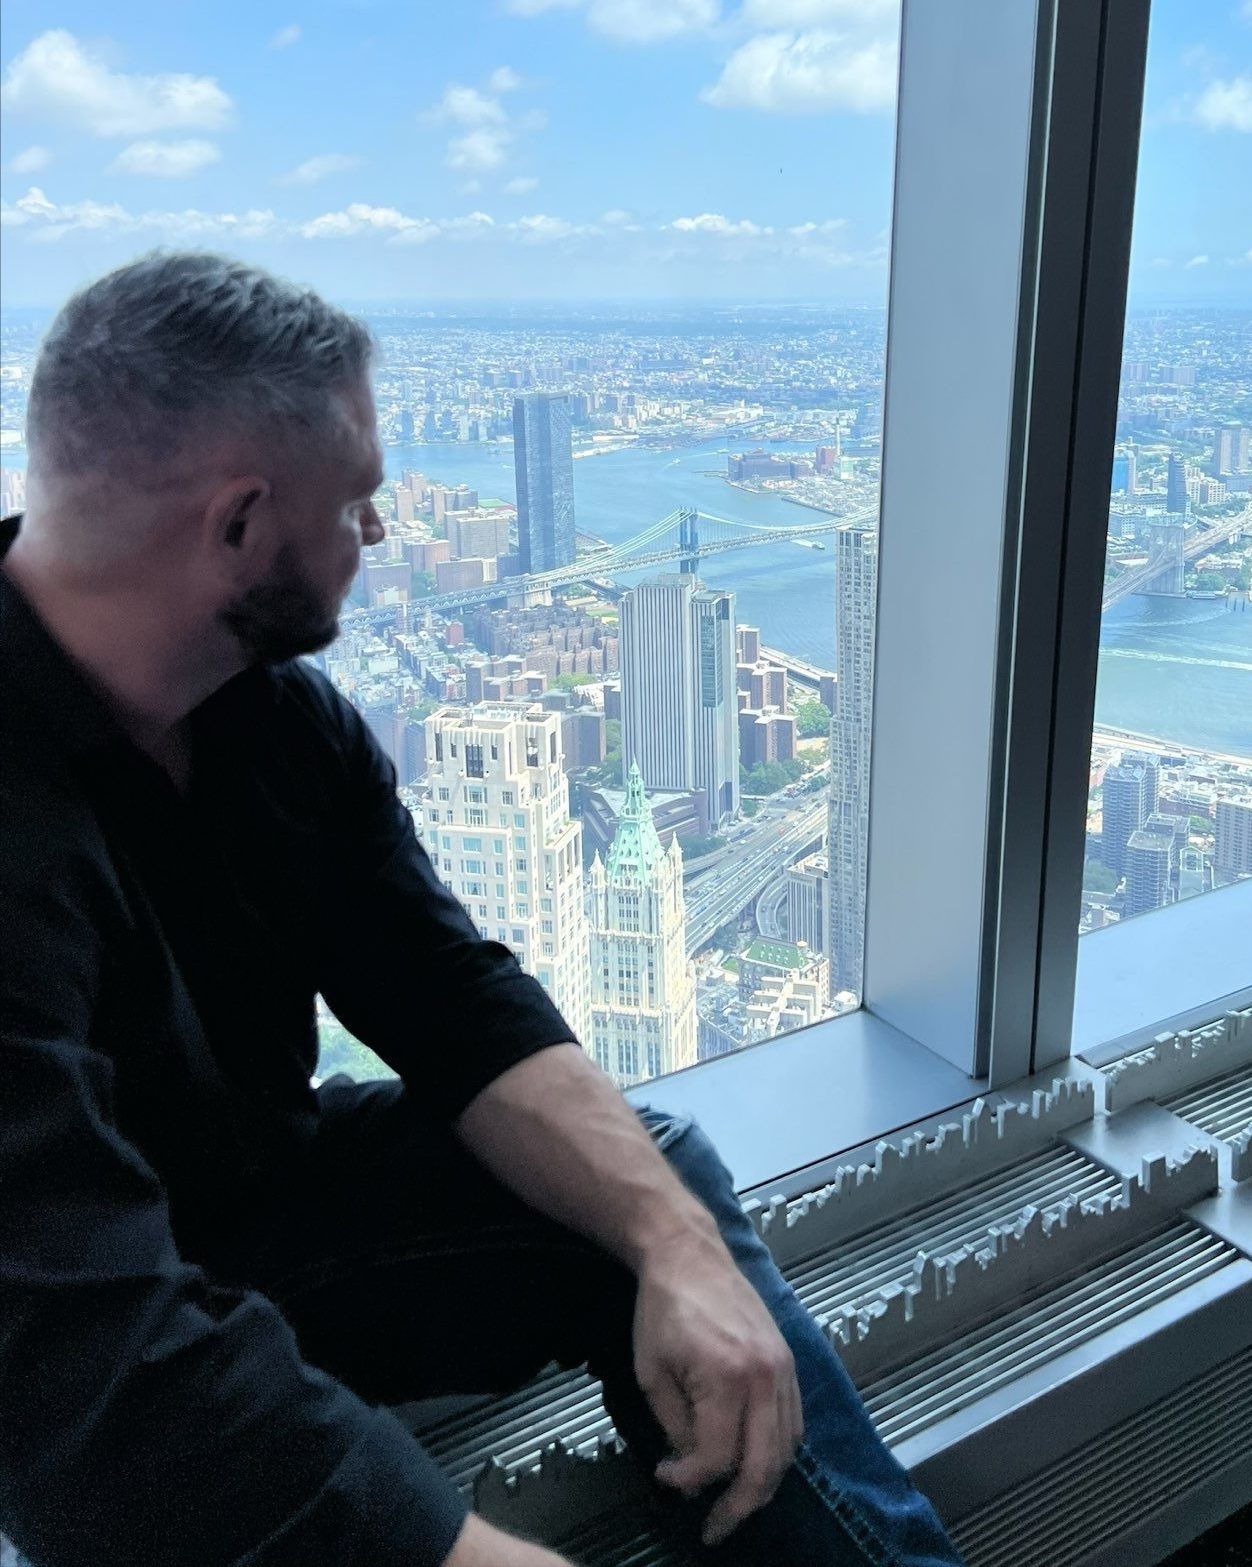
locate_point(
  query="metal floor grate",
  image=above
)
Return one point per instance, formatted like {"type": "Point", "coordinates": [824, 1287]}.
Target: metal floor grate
{"type": "Point", "coordinates": [1222, 1108]}
{"type": "Point", "coordinates": [1004, 1347]}
{"type": "Point", "coordinates": [1118, 1479]}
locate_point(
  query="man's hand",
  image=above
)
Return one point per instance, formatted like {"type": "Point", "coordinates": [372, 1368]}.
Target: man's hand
{"type": "Point", "coordinates": [479, 1545]}
{"type": "Point", "coordinates": [719, 1377]}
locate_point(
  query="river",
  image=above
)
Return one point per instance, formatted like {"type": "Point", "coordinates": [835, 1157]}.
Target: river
{"type": "Point", "coordinates": [1180, 669]}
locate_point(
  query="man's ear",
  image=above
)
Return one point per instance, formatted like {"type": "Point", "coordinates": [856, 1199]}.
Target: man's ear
{"type": "Point", "coordinates": [233, 518]}
{"type": "Point", "coordinates": [237, 522]}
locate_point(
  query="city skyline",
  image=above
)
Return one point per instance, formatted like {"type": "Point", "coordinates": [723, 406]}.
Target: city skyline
{"type": "Point", "coordinates": [450, 177]}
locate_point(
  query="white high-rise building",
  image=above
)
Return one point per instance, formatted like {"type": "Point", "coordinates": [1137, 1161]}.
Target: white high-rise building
{"type": "Point", "coordinates": [643, 984]}
{"type": "Point", "coordinates": [679, 709]}
{"type": "Point", "coordinates": [496, 809]}
{"type": "Point", "coordinates": [856, 588]}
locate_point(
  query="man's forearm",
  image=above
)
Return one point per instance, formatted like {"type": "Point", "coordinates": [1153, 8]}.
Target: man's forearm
{"type": "Point", "coordinates": [557, 1131]}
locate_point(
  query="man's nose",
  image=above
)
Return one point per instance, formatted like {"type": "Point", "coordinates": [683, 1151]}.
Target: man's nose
{"type": "Point", "coordinates": [372, 530]}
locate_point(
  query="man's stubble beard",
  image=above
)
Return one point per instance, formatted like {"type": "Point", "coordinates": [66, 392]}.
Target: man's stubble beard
{"type": "Point", "coordinates": [282, 617]}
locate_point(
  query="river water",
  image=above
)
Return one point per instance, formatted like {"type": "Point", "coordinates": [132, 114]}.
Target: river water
{"type": "Point", "coordinates": [1180, 669]}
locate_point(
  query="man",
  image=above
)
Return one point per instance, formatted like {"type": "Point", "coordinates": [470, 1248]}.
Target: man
{"type": "Point", "coordinates": [211, 1275]}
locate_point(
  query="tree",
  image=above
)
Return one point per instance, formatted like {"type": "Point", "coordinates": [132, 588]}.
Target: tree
{"type": "Point", "coordinates": [696, 846]}
{"type": "Point", "coordinates": [812, 719]}
{"type": "Point", "coordinates": [340, 1051]}
{"type": "Point", "coordinates": [750, 808]}
{"type": "Point", "coordinates": [571, 683]}
{"type": "Point", "coordinates": [1097, 877]}
{"type": "Point", "coordinates": [1201, 824]}
{"type": "Point", "coordinates": [770, 777]}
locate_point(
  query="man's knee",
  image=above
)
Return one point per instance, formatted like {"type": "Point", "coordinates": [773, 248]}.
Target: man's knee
{"type": "Point", "coordinates": [690, 1151]}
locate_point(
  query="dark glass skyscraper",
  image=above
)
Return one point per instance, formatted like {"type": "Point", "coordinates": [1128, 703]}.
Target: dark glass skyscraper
{"type": "Point", "coordinates": [544, 465]}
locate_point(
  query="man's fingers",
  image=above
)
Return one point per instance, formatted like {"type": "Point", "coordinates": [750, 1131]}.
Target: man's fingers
{"type": "Point", "coordinates": [714, 1450]}
{"type": "Point", "coordinates": [765, 1457]}
{"type": "Point", "coordinates": [672, 1409]}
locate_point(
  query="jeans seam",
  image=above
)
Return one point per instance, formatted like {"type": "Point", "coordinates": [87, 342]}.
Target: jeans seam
{"type": "Point", "coordinates": [849, 1516]}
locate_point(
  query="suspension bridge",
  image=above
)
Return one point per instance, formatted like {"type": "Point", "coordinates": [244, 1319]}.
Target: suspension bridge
{"type": "Point", "coordinates": [685, 536]}
{"type": "Point", "coordinates": [1170, 548]}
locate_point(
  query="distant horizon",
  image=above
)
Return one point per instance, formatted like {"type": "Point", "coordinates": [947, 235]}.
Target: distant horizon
{"type": "Point", "coordinates": [452, 308]}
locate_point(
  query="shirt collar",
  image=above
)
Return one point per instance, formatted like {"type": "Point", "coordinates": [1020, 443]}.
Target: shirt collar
{"type": "Point", "coordinates": [46, 700]}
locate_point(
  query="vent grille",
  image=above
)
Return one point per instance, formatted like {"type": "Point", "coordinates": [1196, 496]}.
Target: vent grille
{"type": "Point", "coordinates": [848, 1272]}
{"type": "Point", "coordinates": [558, 1406]}
{"type": "Point", "coordinates": [1222, 1108]}
{"type": "Point", "coordinates": [925, 1390]}
{"type": "Point", "coordinates": [628, 1538]}
{"type": "Point", "coordinates": [1120, 1478]}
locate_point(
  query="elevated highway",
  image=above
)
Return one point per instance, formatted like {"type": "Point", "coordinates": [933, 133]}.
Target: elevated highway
{"type": "Point", "coordinates": [761, 856]}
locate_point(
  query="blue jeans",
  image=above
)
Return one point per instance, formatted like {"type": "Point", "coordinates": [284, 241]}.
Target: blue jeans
{"type": "Point", "coordinates": [396, 1258]}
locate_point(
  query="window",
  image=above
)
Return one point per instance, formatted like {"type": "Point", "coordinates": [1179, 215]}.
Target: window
{"type": "Point", "coordinates": [1170, 805]}
{"type": "Point", "coordinates": [473, 761]}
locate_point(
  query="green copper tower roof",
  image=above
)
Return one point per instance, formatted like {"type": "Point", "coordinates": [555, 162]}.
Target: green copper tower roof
{"type": "Point", "coordinates": [636, 850]}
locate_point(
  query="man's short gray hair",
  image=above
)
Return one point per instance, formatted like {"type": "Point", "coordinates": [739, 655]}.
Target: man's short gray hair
{"type": "Point", "coordinates": [176, 344]}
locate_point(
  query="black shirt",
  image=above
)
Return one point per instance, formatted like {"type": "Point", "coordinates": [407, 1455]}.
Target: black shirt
{"type": "Point", "coordinates": [160, 956]}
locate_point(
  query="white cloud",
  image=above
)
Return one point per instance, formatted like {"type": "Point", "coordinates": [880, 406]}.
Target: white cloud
{"type": "Point", "coordinates": [831, 226]}
{"type": "Point", "coordinates": [504, 79]}
{"type": "Point", "coordinates": [650, 21]}
{"type": "Point", "coordinates": [632, 21]}
{"type": "Point", "coordinates": [358, 218]}
{"type": "Point", "coordinates": [55, 78]}
{"type": "Point", "coordinates": [285, 37]}
{"type": "Point", "coordinates": [170, 160]}
{"type": "Point", "coordinates": [540, 227]}
{"type": "Point", "coordinates": [1198, 261]}
{"type": "Point", "coordinates": [30, 160]}
{"type": "Point", "coordinates": [312, 170]}
{"type": "Point", "coordinates": [615, 216]}
{"type": "Point", "coordinates": [479, 150]}
{"type": "Point", "coordinates": [1226, 106]}
{"type": "Point", "coordinates": [769, 14]}
{"type": "Point", "coordinates": [467, 106]}
{"type": "Point", "coordinates": [807, 73]}
{"type": "Point", "coordinates": [716, 223]}
{"type": "Point", "coordinates": [46, 220]}
{"type": "Point", "coordinates": [521, 186]}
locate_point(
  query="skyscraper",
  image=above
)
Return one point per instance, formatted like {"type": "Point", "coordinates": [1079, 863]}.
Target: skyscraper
{"type": "Point", "coordinates": [496, 809]}
{"type": "Point", "coordinates": [544, 469]}
{"type": "Point", "coordinates": [1153, 857]}
{"type": "Point", "coordinates": [1176, 486]}
{"type": "Point", "coordinates": [856, 588]}
{"type": "Point", "coordinates": [643, 984]}
{"type": "Point", "coordinates": [1124, 481]}
{"type": "Point", "coordinates": [1128, 798]}
{"type": "Point", "coordinates": [679, 710]}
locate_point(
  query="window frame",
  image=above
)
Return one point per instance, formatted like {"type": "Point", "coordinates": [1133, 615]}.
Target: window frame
{"type": "Point", "coordinates": [972, 1000]}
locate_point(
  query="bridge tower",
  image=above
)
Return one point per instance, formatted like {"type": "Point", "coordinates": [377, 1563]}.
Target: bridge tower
{"type": "Point", "coordinates": [1165, 540]}
{"type": "Point", "coordinates": [688, 542]}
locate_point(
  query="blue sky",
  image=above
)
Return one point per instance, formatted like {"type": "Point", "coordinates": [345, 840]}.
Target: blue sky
{"type": "Point", "coordinates": [557, 149]}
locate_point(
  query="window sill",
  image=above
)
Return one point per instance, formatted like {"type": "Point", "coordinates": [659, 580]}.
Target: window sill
{"type": "Point", "coordinates": [790, 1103]}
{"type": "Point", "coordinates": [1166, 970]}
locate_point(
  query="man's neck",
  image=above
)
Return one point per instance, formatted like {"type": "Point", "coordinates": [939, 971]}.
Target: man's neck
{"type": "Point", "coordinates": [149, 679]}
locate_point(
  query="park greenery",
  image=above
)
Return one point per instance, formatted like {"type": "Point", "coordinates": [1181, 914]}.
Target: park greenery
{"type": "Point", "coordinates": [812, 719]}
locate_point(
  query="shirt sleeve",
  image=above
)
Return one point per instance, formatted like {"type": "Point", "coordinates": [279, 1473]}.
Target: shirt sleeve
{"type": "Point", "coordinates": [149, 1413]}
{"type": "Point", "coordinates": [404, 968]}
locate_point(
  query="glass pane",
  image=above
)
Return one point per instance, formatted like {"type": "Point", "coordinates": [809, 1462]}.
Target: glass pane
{"type": "Point", "coordinates": [627, 273]}
{"type": "Point", "coordinates": [1170, 811]}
